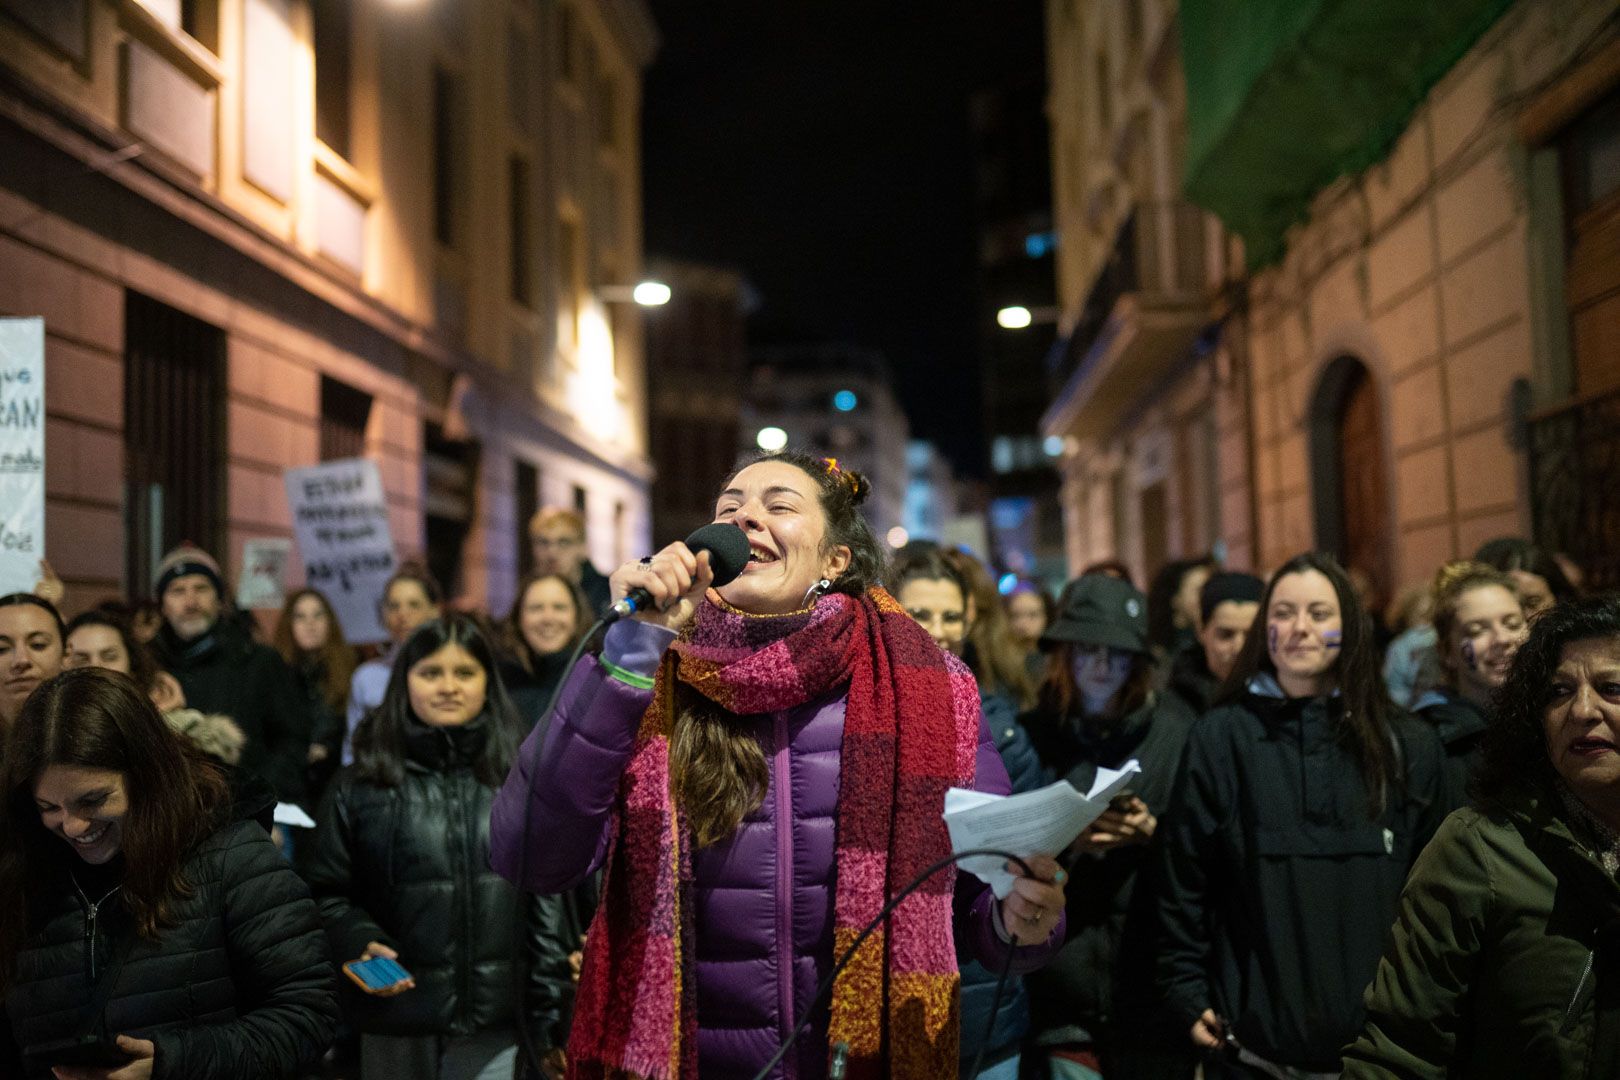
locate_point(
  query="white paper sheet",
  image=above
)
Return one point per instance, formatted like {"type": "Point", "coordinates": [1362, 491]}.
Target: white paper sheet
{"type": "Point", "coordinates": [290, 814]}
{"type": "Point", "coordinates": [1042, 822]}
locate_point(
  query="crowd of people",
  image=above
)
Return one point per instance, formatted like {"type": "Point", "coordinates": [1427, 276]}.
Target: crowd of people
{"type": "Point", "coordinates": [1382, 843]}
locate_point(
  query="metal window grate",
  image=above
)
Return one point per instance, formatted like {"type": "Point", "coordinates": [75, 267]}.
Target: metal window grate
{"type": "Point", "coordinates": [174, 436]}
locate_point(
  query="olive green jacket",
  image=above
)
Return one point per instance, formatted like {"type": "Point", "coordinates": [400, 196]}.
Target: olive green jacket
{"type": "Point", "coordinates": [1504, 959]}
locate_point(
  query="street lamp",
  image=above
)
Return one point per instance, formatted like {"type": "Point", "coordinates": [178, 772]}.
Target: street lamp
{"type": "Point", "coordinates": [1019, 317]}
{"type": "Point", "coordinates": [645, 293]}
{"type": "Point", "coordinates": [771, 439]}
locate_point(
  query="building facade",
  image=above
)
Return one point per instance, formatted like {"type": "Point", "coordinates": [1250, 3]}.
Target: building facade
{"type": "Point", "coordinates": [1148, 410]}
{"type": "Point", "coordinates": [697, 365]}
{"type": "Point", "coordinates": [265, 233]}
{"type": "Point", "coordinates": [1403, 344]}
{"type": "Point", "coordinates": [834, 401]}
{"type": "Point", "coordinates": [1431, 338]}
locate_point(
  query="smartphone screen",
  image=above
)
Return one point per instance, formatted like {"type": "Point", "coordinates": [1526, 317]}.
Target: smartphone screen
{"type": "Point", "coordinates": [87, 1051]}
{"type": "Point", "coordinates": [378, 973]}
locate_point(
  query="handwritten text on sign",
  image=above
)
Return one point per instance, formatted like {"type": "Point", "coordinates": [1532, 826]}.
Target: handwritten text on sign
{"type": "Point", "coordinates": [341, 520]}
{"type": "Point", "coordinates": [22, 452]}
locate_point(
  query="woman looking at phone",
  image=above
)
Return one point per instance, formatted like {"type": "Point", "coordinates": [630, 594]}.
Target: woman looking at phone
{"type": "Point", "coordinates": [1093, 1004]}
{"type": "Point", "coordinates": [400, 867]}
{"type": "Point", "coordinates": [139, 922]}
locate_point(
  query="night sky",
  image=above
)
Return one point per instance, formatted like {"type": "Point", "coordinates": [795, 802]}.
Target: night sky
{"type": "Point", "coordinates": [824, 150]}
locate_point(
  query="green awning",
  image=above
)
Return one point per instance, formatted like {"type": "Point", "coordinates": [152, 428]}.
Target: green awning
{"type": "Point", "coordinates": [1285, 96]}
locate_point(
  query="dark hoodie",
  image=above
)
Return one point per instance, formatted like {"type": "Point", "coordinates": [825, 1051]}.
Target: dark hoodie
{"type": "Point", "coordinates": [1278, 890]}
{"type": "Point", "coordinates": [1081, 995]}
{"type": "Point", "coordinates": [1461, 726]}
{"type": "Point", "coordinates": [531, 687]}
{"type": "Point", "coordinates": [225, 671]}
{"type": "Point", "coordinates": [1190, 681]}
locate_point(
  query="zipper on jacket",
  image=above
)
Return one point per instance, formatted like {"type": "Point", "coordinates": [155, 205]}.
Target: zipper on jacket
{"type": "Point", "coordinates": [1578, 1002]}
{"type": "Point", "coordinates": [783, 768]}
{"type": "Point", "coordinates": [91, 913]}
{"type": "Point", "coordinates": [461, 824]}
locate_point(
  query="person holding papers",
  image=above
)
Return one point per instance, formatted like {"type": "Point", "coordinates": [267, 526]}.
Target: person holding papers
{"type": "Point", "coordinates": [759, 767]}
{"type": "Point", "coordinates": [1092, 1005]}
{"type": "Point", "coordinates": [1301, 803]}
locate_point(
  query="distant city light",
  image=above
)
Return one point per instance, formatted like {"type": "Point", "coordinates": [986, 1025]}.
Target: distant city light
{"type": "Point", "coordinates": [1016, 317]}
{"type": "Point", "coordinates": [898, 537]}
{"type": "Point", "coordinates": [1039, 244]}
{"type": "Point", "coordinates": [845, 401]}
{"type": "Point", "coordinates": [771, 439]}
{"type": "Point", "coordinates": [651, 294]}
{"type": "Point", "coordinates": [1053, 445]}
{"type": "Point", "coordinates": [1007, 584]}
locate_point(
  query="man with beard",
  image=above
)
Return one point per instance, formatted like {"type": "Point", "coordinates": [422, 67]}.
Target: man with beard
{"type": "Point", "coordinates": [223, 670]}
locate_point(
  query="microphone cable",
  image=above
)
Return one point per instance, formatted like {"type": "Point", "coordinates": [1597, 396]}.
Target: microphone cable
{"type": "Point", "coordinates": [521, 973]}
{"type": "Point", "coordinates": [841, 1050]}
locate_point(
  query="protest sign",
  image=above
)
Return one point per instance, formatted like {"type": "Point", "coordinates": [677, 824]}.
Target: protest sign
{"type": "Point", "coordinates": [264, 572]}
{"type": "Point", "coordinates": [340, 518]}
{"type": "Point", "coordinates": [22, 452]}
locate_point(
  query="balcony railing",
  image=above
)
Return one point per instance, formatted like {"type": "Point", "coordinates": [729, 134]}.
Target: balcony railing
{"type": "Point", "coordinates": [1574, 494]}
{"type": "Point", "coordinates": [1158, 253]}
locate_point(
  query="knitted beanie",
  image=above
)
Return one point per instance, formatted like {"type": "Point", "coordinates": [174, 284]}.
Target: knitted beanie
{"type": "Point", "coordinates": [186, 559]}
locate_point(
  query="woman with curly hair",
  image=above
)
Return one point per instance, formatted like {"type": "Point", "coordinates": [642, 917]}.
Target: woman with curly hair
{"type": "Point", "coordinates": [1504, 952]}
{"type": "Point", "coordinates": [1478, 625]}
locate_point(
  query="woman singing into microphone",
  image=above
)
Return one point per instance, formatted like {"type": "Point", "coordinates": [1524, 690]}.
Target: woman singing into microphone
{"type": "Point", "coordinates": [760, 768]}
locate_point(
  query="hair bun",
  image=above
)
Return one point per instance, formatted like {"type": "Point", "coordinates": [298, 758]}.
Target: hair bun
{"type": "Point", "coordinates": [1459, 572]}
{"type": "Point", "coordinates": [859, 486]}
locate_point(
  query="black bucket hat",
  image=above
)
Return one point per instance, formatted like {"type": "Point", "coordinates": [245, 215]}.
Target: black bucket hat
{"type": "Point", "coordinates": [1098, 609]}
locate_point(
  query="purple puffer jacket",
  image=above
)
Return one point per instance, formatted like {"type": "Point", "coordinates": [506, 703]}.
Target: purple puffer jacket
{"type": "Point", "coordinates": [764, 887]}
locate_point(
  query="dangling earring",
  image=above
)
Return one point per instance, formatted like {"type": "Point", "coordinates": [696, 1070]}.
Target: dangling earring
{"type": "Point", "coordinates": [815, 591]}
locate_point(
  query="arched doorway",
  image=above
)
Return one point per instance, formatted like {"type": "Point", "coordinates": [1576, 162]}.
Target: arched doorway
{"type": "Point", "coordinates": [1348, 472]}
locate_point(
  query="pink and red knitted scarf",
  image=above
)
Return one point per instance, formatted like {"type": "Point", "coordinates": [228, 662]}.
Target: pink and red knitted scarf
{"type": "Point", "coordinates": [910, 732]}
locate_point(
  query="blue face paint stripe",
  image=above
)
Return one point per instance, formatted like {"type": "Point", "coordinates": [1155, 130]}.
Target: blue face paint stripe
{"type": "Point", "coordinates": [1470, 657]}
{"type": "Point", "coordinates": [1332, 639]}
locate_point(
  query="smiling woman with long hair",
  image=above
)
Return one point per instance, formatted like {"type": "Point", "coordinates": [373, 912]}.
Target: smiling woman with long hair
{"type": "Point", "coordinates": [757, 768]}
{"type": "Point", "coordinates": [120, 860]}
{"type": "Point", "coordinates": [400, 866]}
{"type": "Point", "coordinates": [1300, 805]}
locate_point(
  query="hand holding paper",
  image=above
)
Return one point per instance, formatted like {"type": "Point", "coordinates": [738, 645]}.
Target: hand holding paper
{"type": "Point", "coordinates": [1043, 822]}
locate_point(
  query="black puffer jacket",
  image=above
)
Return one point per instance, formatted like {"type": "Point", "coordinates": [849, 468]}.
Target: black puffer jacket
{"type": "Point", "coordinates": [241, 987]}
{"type": "Point", "coordinates": [225, 671]}
{"type": "Point", "coordinates": [408, 866]}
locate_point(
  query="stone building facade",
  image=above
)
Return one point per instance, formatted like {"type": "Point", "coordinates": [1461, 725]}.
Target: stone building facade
{"type": "Point", "coordinates": [265, 233]}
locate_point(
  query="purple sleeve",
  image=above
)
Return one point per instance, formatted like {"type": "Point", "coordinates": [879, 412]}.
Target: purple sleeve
{"type": "Point", "coordinates": [548, 829]}
{"type": "Point", "coordinates": [976, 936]}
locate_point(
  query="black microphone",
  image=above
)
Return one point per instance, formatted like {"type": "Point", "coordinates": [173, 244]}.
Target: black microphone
{"type": "Point", "coordinates": [728, 554]}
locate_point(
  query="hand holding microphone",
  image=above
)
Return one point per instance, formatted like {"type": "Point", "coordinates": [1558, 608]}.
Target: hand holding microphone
{"type": "Point", "coordinates": [666, 589]}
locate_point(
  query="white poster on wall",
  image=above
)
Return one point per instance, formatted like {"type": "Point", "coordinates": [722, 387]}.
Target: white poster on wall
{"type": "Point", "coordinates": [22, 452]}
{"type": "Point", "coordinates": [340, 518]}
{"type": "Point", "coordinates": [264, 573]}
